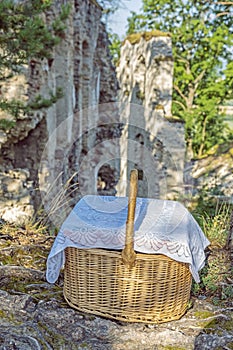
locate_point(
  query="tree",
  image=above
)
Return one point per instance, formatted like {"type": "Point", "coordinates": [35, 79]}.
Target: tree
{"type": "Point", "coordinates": [202, 39]}
{"type": "Point", "coordinates": [24, 35]}
{"type": "Point", "coordinates": [114, 47]}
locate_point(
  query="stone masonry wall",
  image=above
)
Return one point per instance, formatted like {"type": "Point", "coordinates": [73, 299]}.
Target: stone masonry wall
{"type": "Point", "coordinates": [152, 140]}
{"type": "Point", "coordinates": [82, 139]}
{"type": "Point", "coordinates": [81, 67]}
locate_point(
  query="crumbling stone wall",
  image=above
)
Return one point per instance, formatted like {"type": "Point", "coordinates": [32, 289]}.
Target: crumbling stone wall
{"type": "Point", "coordinates": [79, 136]}
{"type": "Point", "coordinates": [81, 66]}
{"type": "Point", "coordinates": [152, 141]}
{"type": "Point", "coordinates": [15, 190]}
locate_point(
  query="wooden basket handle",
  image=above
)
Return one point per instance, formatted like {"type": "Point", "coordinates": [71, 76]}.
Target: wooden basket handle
{"type": "Point", "coordinates": [128, 253]}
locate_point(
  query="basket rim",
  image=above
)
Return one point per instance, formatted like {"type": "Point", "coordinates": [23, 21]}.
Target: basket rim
{"type": "Point", "coordinates": [117, 254]}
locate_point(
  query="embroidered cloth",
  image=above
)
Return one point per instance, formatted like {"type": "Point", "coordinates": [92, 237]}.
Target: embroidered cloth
{"type": "Point", "coordinates": [161, 227]}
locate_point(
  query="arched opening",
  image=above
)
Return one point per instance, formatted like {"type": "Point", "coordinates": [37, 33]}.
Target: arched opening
{"type": "Point", "coordinates": [106, 180]}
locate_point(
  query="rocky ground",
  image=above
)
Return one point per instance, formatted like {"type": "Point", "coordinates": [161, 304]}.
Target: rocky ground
{"type": "Point", "coordinates": [34, 315]}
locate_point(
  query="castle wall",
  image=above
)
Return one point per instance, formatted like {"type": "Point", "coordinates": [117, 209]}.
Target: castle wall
{"type": "Point", "coordinates": [102, 127]}
{"type": "Point", "coordinates": [152, 140]}
{"type": "Point", "coordinates": [81, 67]}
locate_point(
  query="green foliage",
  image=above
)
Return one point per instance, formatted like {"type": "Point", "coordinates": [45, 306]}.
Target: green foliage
{"type": "Point", "coordinates": [217, 273]}
{"type": "Point", "coordinates": [208, 205]}
{"type": "Point", "coordinates": [216, 227]}
{"type": "Point", "coordinates": [13, 107]}
{"type": "Point", "coordinates": [114, 47]}
{"type": "Point", "coordinates": [6, 124]}
{"type": "Point", "coordinates": [40, 102]}
{"type": "Point", "coordinates": [17, 108]}
{"type": "Point", "coordinates": [214, 279]}
{"type": "Point", "coordinates": [25, 34]}
{"type": "Point", "coordinates": [203, 70]}
{"type": "Point", "coordinates": [58, 24]}
{"type": "Point", "coordinates": [229, 81]}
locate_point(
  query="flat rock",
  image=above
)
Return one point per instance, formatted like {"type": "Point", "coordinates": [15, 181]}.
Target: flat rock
{"type": "Point", "coordinates": [29, 323]}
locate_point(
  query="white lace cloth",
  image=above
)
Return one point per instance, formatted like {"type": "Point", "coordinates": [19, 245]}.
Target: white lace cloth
{"type": "Point", "coordinates": [161, 226]}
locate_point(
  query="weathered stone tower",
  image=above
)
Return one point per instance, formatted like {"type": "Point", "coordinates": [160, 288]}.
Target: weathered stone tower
{"type": "Point", "coordinates": [152, 140]}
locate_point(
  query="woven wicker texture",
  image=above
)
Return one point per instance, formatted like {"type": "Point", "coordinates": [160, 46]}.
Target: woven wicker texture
{"type": "Point", "coordinates": [155, 290]}
{"type": "Point", "coordinates": [126, 286]}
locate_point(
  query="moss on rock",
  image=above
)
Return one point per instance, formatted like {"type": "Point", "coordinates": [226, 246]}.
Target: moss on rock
{"type": "Point", "coordinates": [136, 37]}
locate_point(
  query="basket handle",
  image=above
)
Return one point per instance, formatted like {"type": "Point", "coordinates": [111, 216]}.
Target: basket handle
{"type": "Point", "coordinates": [128, 254]}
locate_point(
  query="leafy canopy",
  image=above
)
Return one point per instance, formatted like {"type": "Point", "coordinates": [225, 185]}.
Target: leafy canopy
{"type": "Point", "coordinates": [202, 48]}
{"type": "Point", "coordinates": [24, 34]}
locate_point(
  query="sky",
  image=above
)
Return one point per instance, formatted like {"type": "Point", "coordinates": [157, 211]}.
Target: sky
{"type": "Point", "coordinates": [118, 21]}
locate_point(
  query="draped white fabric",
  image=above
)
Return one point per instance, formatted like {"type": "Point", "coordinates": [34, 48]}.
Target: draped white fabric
{"type": "Point", "coordinates": [161, 227]}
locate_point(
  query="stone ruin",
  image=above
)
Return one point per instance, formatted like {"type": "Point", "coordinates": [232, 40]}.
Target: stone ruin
{"type": "Point", "coordinates": [152, 140]}
{"type": "Point", "coordinates": [106, 123]}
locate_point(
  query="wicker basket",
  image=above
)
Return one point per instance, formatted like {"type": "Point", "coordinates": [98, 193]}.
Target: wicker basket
{"type": "Point", "coordinates": [127, 286]}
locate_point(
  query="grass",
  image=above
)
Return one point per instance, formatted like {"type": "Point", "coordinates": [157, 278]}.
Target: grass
{"type": "Point", "coordinates": [216, 227]}
{"type": "Point", "coordinates": [217, 275]}
{"type": "Point", "coordinates": [58, 200]}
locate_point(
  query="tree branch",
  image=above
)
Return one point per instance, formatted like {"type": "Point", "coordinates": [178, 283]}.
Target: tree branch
{"type": "Point", "coordinates": [180, 104]}
{"type": "Point", "coordinates": [180, 93]}
{"type": "Point", "coordinates": [228, 3]}
{"type": "Point", "coordinates": [198, 79]}
{"type": "Point", "coordinates": [222, 14]}
{"type": "Point", "coordinates": [182, 59]}
{"type": "Point", "coordinates": [186, 62]}
{"type": "Point", "coordinates": [225, 2]}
